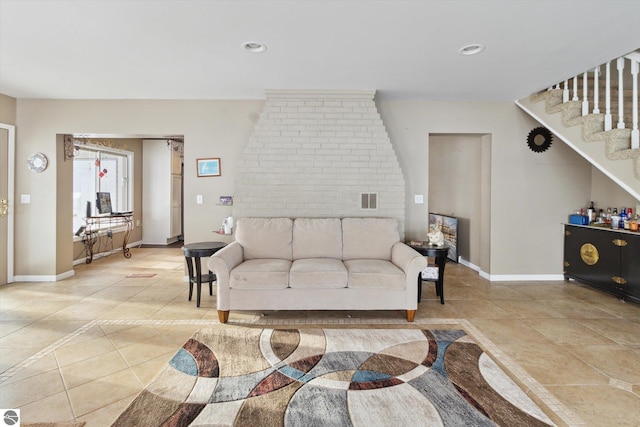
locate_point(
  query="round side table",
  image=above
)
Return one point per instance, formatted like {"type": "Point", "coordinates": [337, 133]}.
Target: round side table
{"type": "Point", "coordinates": [440, 254]}
{"type": "Point", "coordinates": [192, 253]}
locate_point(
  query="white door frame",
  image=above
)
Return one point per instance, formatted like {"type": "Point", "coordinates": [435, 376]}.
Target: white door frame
{"type": "Point", "coordinates": [10, 197]}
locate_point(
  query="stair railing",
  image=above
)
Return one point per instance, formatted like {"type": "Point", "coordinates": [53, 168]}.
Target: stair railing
{"type": "Point", "coordinates": [633, 60]}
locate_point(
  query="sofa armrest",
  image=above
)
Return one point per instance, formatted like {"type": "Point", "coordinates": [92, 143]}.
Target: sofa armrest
{"type": "Point", "coordinates": [412, 263]}
{"type": "Point", "coordinates": [406, 258]}
{"type": "Point", "coordinates": [221, 263]}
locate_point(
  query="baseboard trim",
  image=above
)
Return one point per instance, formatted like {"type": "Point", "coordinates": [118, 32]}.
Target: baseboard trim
{"type": "Point", "coordinates": [44, 278]}
{"type": "Point", "coordinates": [511, 277]}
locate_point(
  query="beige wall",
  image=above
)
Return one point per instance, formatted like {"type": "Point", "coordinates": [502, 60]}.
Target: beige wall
{"type": "Point", "coordinates": [455, 188]}
{"type": "Point", "coordinates": [210, 128]}
{"type": "Point", "coordinates": [530, 196]}
{"type": "Point", "coordinates": [7, 109]}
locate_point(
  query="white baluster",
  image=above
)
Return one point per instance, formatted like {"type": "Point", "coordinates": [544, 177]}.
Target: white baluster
{"type": "Point", "coordinates": [607, 99]}
{"type": "Point", "coordinates": [635, 133]}
{"type": "Point", "coordinates": [565, 91]}
{"type": "Point", "coordinates": [596, 100]}
{"type": "Point", "coordinates": [585, 101]}
{"type": "Point", "coordinates": [620, 66]}
{"type": "Point", "coordinates": [575, 89]}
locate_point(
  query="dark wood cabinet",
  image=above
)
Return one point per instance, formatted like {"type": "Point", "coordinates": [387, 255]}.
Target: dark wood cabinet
{"type": "Point", "coordinates": [603, 258]}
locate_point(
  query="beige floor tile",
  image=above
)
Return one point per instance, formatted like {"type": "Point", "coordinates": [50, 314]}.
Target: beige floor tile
{"type": "Point", "coordinates": [41, 333]}
{"type": "Point", "coordinates": [106, 415]}
{"type": "Point", "coordinates": [479, 309]}
{"type": "Point", "coordinates": [150, 349]}
{"type": "Point", "coordinates": [601, 405]}
{"type": "Point", "coordinates": [567, 331]}
{"type": "Point", "coordinates": [19, 393]}
{"type": "Point", "coordinates": [45, 364]}
{"type": "Point", "coordinates": [101, 392]}
{"type": "Point", "coordinates": [621, 331]}
{"type": "Point", "coordinates": [512, 332]}
{"type": "Point", "coordinates": [74, 353]}
{"type": "Point", "coordinates": [551, 364]}
{"type": "Point", "coordinates": [54, 407]}
{"type": "Point", "coordinates": [148, 369]}
{"type": "Point", "coordinates": [93, 368]}
{"type": "Point", "coordinates": [614, 360]}
{"type": "Point", "coordinates": [529, 309]}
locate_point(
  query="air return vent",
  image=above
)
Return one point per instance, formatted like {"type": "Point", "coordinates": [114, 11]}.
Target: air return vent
{"type": "Point", "coordinates": [369, 201]}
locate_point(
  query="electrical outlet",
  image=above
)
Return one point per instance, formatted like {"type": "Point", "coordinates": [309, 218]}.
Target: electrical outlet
{"type": "Point", "coordinates": [199, 199]}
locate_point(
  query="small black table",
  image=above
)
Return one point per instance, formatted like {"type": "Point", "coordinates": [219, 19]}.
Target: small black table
{"type": "Point", "coordinates": [193, 252]}
{"type": "Point", "coordinates": [440, 254]}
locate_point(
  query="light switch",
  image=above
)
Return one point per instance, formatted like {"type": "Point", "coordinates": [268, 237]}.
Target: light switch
{"type": "Point", "coordinates": [199, 199]}
{"type": "Point", "coordinates": [25, 198]}
{"type": "Point", "coordinates": [418, 199]}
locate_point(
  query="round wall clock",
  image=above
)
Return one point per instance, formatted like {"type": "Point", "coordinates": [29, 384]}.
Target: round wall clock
{"type": "Point", "coordinates": [37, 162]}
{"type": "Point", "coordinates": [539, 139]}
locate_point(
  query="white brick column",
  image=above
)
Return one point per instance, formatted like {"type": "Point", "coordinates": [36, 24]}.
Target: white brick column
{"type": "Point", "coordinates": [313, 153]}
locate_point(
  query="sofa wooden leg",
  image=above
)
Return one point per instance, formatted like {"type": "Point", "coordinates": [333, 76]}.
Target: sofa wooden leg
{"type": "Point", "coordinates": [411, 314]}
{"type": "Point", "coordinates": [223, 316]}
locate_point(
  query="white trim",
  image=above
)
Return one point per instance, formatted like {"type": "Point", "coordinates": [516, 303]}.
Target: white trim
{"type": "Point", "coordinates": [525, 277]}
{"type": "Point", "coordinates": [43, 278]}
{"type": "Point", "coordinates": [10, 198]}
{"type": "Point", "coordinates": [511, 277]}
{"type": "Point", "coordinates": [320, 94]}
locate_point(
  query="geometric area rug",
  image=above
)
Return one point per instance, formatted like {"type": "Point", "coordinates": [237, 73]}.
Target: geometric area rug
{"type": "Point", "coordinates": [332, 377]}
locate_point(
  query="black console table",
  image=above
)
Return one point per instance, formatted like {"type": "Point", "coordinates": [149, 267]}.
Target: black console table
{"type": "Point", "coordinates": [95, 224]}
{"type": "Point", "coordinates": [440, 253]}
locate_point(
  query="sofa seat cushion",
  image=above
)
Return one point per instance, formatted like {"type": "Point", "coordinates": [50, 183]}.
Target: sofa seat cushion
{"type": "Point", "coordinates": [318, 273]}
{"type": "Point", "coordinates": [262, 273]}
{"type": "Point", "coordinates": [374, 274]}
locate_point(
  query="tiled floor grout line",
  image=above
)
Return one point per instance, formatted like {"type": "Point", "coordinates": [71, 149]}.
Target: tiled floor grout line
{"type": "Point", "coordinates": [513, 368]}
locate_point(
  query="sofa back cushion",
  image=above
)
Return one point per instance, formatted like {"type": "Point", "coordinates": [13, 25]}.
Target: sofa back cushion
{"type": "Point", "coordinates": [317, 238]}
{"type": "Point", "coordinates": [265, 237]}
{"type": "Point", "coordinates": [368, 238]}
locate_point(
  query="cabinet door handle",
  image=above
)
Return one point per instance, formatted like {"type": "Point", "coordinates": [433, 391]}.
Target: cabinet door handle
{"type": "Point", "coordinates": [619, 242]}
{"type": "Point", "coordinates": [619, 280]}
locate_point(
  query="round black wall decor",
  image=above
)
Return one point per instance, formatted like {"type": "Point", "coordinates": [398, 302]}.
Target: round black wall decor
{"type": "Point", "coordinates": [539, 139]}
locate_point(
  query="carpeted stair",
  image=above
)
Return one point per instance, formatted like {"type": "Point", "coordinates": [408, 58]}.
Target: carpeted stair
{"type": "Point", "coordinates": [617, 142]}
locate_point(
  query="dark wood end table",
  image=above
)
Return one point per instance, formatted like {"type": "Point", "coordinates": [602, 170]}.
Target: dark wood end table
{"type": "Point", "coordinates": [192, 253]}
{"type": "Point", "coordinates": [440, 254]}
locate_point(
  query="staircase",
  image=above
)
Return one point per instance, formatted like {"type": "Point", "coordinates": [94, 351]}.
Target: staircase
{"type": "Point", "coordinates": [584, 112]}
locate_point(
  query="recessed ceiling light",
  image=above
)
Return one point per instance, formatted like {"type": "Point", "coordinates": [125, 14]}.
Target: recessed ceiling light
{"type": "Point", "coordinates": [471, 49]}
{"type": "Point", "coordinates": [255, 47]}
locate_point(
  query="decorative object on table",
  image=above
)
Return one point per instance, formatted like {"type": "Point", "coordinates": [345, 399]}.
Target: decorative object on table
{"type": "Point", "coordinates": [449, 227]}
{"type": "Point", "coordinates": [436, 238]}
{"type": "Point", "coordinates": [208, 167]}
{"type": "Point", "coordinates": [316, 376]}
{"type": "Point", "coordinates": [539, 139]}
{"type": "Point", "coordinates": [37, 162]}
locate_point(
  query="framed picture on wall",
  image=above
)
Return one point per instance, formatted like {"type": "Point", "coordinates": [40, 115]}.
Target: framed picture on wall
{"type": "Point", "coordinates": [208, 167]}
{"type": "Point", "coordinates": [449, 227]}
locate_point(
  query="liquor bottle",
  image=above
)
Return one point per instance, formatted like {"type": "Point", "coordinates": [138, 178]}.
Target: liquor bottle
{"type": "Point", "coordinates": [607, 219]}
{"type": "Point", "coordinates": [591, 213]}
{"type": "Point", "coordinates": [614, 219]}
{"type": "Point", "coordinates": [628, 218]}
{"type": "Point", "coordinates": [623, 217]}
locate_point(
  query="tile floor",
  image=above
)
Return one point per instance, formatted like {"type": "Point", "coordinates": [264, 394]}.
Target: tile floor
{"type": "Point", "coordinates": [83, 348]}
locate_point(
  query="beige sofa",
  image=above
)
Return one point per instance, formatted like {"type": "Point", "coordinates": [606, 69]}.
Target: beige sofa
{"type": "Point", "coordinates": [316, 264]}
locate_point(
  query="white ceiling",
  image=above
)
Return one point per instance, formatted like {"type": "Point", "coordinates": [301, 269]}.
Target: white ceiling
{"type": "Point", "coordinates": [145, 49]}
